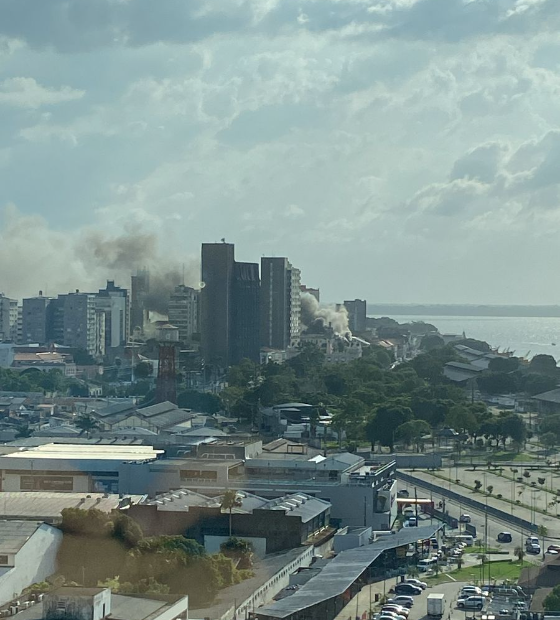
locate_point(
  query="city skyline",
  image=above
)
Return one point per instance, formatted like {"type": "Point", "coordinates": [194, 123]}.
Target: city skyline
{"type": "Point", "coordinates": [404, 151]}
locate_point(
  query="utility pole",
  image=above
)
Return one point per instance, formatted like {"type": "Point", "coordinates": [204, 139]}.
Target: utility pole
{"type": "Point", "coordinates": [416, 504]}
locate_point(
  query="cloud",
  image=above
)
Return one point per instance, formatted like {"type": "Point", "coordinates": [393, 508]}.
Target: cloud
{"type": "Point", "coordinates": [25, 92]}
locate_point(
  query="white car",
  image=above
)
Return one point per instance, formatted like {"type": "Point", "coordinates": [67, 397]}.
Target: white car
{"type": "Point", "coordinates": [387, 615]}
{"type": "Point", "coordinates": [403, 600]}
{"type": "Point", "coordinates": [465, 518]}
{"type": "Point", "coordinates": [470, 591]}
{"type": "Point", "coordinates": [417, 582]}
{"type": "Point", "coordinates": [397, 609]}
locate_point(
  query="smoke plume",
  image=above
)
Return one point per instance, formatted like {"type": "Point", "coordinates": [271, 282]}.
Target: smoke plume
{"type": "Point", "coordinates": [35, 257]}
{"type": "Point", "coordinates": [317, 317]}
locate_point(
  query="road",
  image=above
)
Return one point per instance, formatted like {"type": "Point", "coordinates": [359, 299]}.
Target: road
{"type": "Point", "coordinates": [495, 526]}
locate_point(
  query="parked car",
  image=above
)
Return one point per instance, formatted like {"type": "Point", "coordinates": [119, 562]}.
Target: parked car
{"type": "Point", "coordinates": [434, 543]}
{"type": "Point", "coordinates": [505, 537]}
{"type": "Point", "coordinates": [386, 613]}
{"type": "Point", "coordinates": [398, 609]}
{"type": "Point", "coordinates": [405, 601]}
{"type": "Point", "coordinates": [471, 602]}
{"type": "Point", "coordinates": [464, 518]}
{"type": "Point", "coordinates": [533, 548]}
{"type": "Point", "coordinates": [417, 583]}
{"type": "Point", "coordinates": [532, 540]}
{"type": "Point", "coordinates": [407, 588]}
{"type": "Point", "coordinates": [412, 522]}
{"type": "Point", "coordinates": [553, 548]}
{"type": "Point", "coordinates": [471, 591]}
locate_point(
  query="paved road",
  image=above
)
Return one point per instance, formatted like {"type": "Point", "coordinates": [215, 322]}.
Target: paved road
{"type": "Point", "coordinates": [495, 526]}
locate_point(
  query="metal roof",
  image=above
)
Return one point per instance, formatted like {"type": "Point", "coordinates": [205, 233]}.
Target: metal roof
{"type": "Point", "coordinates": [157, 409]}
{"type": "Point", "coordinates": [342, 572]}
{"type": "Point", "coordinates": [14, 534]}
{"type": "Point", "coordinates": [299, 505]}
{"type": "Point", "coordinates": [552, 396]}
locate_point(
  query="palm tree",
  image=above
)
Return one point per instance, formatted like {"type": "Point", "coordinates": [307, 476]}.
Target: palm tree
{"type": "Point", "coordinates": [87, 424]}
{"type": "Point", "coordinates": [229, 502]}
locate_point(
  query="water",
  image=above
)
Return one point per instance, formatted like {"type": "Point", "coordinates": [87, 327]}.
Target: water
{"type": "Point", "coordinates": [522, 335]}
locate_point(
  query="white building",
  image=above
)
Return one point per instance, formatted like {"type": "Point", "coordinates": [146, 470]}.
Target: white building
{"type": "Point", "coordinates": [184, 311]}
{"type": "Point", "coordinates": [28, 551]}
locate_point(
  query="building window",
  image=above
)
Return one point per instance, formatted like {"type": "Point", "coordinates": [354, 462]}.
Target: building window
{"type": "Point", "coordinates": [3, 560]}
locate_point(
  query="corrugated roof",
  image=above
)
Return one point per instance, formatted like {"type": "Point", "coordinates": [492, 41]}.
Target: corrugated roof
{"type": "Point", "coordinates": [552, 396]}
{"type": "Point", "coordinates": [342, 572]}
{"type": "Point", "coordinates": [14, 534]}
{"type": "Point", "coordinates": [157, 409]}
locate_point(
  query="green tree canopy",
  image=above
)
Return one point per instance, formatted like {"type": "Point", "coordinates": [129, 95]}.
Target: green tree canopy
{"type": "Point", "coordinates": [412, 431]}
{"type": "Point", "coordinates": [544, 364]}
{"type": "Point", "coordinates": [431, 341]}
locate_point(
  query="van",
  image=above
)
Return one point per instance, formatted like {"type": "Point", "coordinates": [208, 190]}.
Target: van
{"type": "Point", "coordinates": [466, 538]}
{"type": "Point", "coordinates": [424, 565]}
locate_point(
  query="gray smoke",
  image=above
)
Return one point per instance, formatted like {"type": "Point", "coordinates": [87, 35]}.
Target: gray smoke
{"type": "Point", "coordinates": [317, 317]}
{"type": "Point", "coordinates": [122, 255]}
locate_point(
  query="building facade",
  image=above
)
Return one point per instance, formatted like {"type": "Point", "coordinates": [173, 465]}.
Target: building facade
{"type": "Point", "coordinates": [8, 319]}
{"type": "Point", "coordinates": [139, 289]}
{"type": "Point", "coordinates": [83, 325]}
{"type": "Point", "coordinates": [216, 302]}
{"type": "Point", "coordinates": [36, 319]}
{"type": "Point", "coordinates": [280, 304]}
{"type": "Point", "coordinates": [245, 334]}
{"type": "Point", "coordinates": [357, 311]}
{"type": "Point", "coordinates": [113, 303]}
{"type": "Point", "coordinates": [184, 311]}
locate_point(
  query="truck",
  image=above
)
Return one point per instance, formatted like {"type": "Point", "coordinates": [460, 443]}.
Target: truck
{"type": "Point", "coordinates": [436, 605]}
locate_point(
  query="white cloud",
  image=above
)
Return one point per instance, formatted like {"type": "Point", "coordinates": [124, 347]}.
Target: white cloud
{"type": "Point", "coordinates": [25, 92]}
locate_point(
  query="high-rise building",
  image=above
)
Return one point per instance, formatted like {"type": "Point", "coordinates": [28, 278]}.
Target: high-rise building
{"type": "Point", "coordinates": [139, 289]}
{"type": "Point", "coordinates": [311, 291]}
{"type": "Point", "coordinates": [245, 333]}
{"type": "Point", "coordinates": [216, 302]}
{"type": "Point", "coordinates": [280, 303]}
{"type": "Point", "coordinates": [357, 313]}
{"type": "Point", "coordinates": [8, 319]}
{"type": "Point", "coordinates": [112, 301]}
{"type": "Point", "coordinates": [37, 319]}
{"type": "Point", "coordinates": [183, 311]}
{"type": "Point", "coordinates": [83, 325]}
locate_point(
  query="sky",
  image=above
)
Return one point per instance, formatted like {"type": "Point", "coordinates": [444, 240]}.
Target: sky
{"type": "Point", "coordinates": [401, 151]}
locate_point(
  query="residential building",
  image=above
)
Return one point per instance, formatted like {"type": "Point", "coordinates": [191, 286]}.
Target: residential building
{"type": "Point", "coordinates": [245, 337]}
{"type": "Point", "coordinates": [8, 319]}
{"type": "Point", "coordinates": [216, 302]}
{"type": "Point", "coordinates": [184, 310]}
{"type": "Point", "coordinates": [280, 304]}
{"type": "Point", "coordinates": [139, 289]}
{"type": "Point", "coordinates": [37, 320]}
{"type": "Point", "coordinates": [28, 551]}
{"type": "Point", "coordinates": [112, 301]}
{"type": "Point", "coordinates": [83, 325]}
{"type": "Point", "coordinates": [357, 311]}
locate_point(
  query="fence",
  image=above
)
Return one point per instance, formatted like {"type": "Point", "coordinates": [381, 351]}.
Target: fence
{"type": "Point", "coordinates": [468, 501]}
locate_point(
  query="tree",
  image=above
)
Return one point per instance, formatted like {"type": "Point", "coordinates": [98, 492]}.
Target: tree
{"type": "Point", "coordinates": [543, 364]}
{"type": "Point", "coordinates": [203, 402]}
{"type": "Point", "coordinates": [503, 364]}
{"type": "Point", "coordinates": [552, 601]}
{"type": "Point", "coordinates": [534, 383]}
{"type": "Point", "coordinates": [387, 419]}
{"type": "Point", "coordinates": [411, 431]}
{"type": "Point", "coordinates": [238, 549]}
{"type": "Point", "coordinates": [497, 383]}
{"type": "Point", "coordinates": [461, 419]}
{"type": "Point", "coordinates": [513, 426]}
{"type": "Point", "coordinates": [520, 553]}
{"type": "Point", "coordinates": [431, 341]}
{"type": "Point", "coordinates": [23, 431]}
{"type": "Point", "coordinates": [87, 424]}
{"type": "Point", "coordinates": [143, 370]}
{"type": "Point", "coordinates": [490, 489]}
{"type": "Point", "coordinates": [229, 502]}
{"type": "Point", "coordinates": [549, 441]}
{"type": "Point", "coordinates": [83, 358]}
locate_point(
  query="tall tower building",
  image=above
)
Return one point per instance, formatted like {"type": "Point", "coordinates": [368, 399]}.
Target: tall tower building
{"type": "Point", "coordinates": [82, 324]}
{"type": "Point", "coordinates": [36, 319]}
{"type": "Point", "coordinates": [112, 301]}
{"type": "Point", "coordinates": [280, 303]}
{"type": "Point", "coordinates": [216, 302]}
{"type": "Point", "coordinates": [184, 311]}
{"type": "Point", "coordinates": [8, 318]}
{"type": "Point", "coordinates": [245, 334]}
{"type": "Point", "coordinates": [357, 312]}
{"type": "Point", "coordinates": [139, 289]}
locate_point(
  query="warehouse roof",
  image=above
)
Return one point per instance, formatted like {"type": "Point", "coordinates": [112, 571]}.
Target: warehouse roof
{"type": "Point", "coordinates": [113, 452]}
{"type": "Point", "coordinates": [342, 572]}
{"type": "Point", "coordinates": [14, 534]}
{"type": "Point", "coordinates": [552, 396]}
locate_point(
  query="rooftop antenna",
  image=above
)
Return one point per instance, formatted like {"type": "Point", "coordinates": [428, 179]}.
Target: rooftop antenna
{"type": "Point", "coordinates": [223, 239]}
{"type": "Point", "coordinates": [183, 274]}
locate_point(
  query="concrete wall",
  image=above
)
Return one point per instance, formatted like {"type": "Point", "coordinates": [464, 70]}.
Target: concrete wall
{"type": "Point", "coordinates": [35, 562]}
{"type": "Point", "coordinates": [59, 482]}
{"type": "Point", "coordinates": [348, 539]}
{"type": "Point", "coordinates": [212, 544]}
